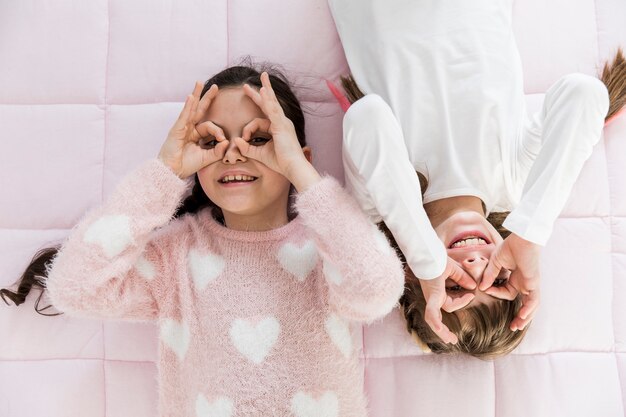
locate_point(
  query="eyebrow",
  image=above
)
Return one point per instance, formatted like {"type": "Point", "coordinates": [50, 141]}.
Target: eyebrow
{"type": "Point", "coordinates": [224, 130]}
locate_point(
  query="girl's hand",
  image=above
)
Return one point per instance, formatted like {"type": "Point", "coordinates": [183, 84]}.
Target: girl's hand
{"type": "Point", "coordinates": [281, 152]}
{"type": "Point", "coordinates": [521, 257]}
{"type": "Point", "coordinates": [437, 299]}
{"type": "Point", "coordinates": [183, 150]}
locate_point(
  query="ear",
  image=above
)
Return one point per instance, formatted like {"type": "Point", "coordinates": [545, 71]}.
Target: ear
{"type": "Point", "coordinates": [308, 154]}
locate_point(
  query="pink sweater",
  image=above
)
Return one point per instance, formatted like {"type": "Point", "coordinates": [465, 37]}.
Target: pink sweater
{"type": "Point", "coordinates": [250, 323]}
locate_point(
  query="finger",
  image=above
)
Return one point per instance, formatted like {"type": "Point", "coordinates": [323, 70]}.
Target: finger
{"type": "Point", "coordinates": [454, 304]}
{"type": "Point", "coordinates": [208, 128]}
{"type": "Point", "coordinates": [244, 147]}
{"type": "Point", "coordinates": [526, 283]}
{"type": "Point", "coordinates": [255, 125]}
{"type": "Point", "coordinates": [432, 316]}
{"type": "Point", "coordinates": [506, 292]}
{"type": "Point", "coordinates": [253, 94]}
{"type": "Point", "coordinates": [267, 84]}
{"type": "Point", "coordinates": [519, 323]}
{"type": "Point", "coordinates": [209, 156]}
{"type": "Point", "coordinates": [205, 102]}
{"type": "Point", "coordinates": [197, 89]}
{"type": "Point", "coordinates": [220, 150]}
{"type": "Point", "coordinates": [183, 117]}
{"type": "Point", "coordinates": [492, 270]}
{"type": "Point", "coordinates": [530, 304]}
{"type": "Point", "coordinates": [272, 107]}
{"type": "Point", "coordinates": [458, 275]}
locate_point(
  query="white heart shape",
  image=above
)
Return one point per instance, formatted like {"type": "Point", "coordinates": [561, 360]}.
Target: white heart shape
{"type": "Point", "coordinates": [176, 336]}
{"type": "Point", "coordinates": [331, 272]}
{"type": "Point", "coordinates": [255, 341]}
{"type": "Point", "coordinates": [112, 233]}
{"type": "Point", "coordinates": [299, 260]}
{"type": "Point", "coordinates": [339, 333]}
{"type": "Point", "coordinates": [205, 267]}
{"type": "Point", "coordinates": [220, 407]}
{"type": "Point", "coordinates": [303, 405]}
{"type": "Point", "coordinates": [381, 242]}
{"type": "Point", "coordinates": [145, 268]}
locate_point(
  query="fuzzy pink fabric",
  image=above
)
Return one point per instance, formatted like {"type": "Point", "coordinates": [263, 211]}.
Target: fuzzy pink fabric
{"type": "Point", "coordinates": [250, 323]}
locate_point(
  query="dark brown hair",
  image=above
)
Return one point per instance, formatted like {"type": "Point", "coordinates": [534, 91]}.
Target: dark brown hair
{"type": "Point", "coordinates": [246, 73]}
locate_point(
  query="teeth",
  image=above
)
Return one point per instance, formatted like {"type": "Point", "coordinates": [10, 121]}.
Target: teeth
{"type": "Point", "coordinates": [470, 241]}
{"type": "Point", "coordinates": [229, 178]}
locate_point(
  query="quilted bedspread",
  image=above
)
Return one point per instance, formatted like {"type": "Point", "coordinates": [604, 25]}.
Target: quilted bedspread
{"type": "Point", "coordinates": [89, 89]}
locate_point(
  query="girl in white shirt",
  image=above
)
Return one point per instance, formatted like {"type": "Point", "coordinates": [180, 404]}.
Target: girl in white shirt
{"type": "Point", "coordinates": [449, 105]}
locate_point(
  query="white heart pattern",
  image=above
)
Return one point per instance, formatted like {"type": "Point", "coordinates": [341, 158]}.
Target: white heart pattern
{"type": "Point", "coordinates": [112, 233]}
{"type": "Point", "coordinates": [205, 267]}
{"type": "Point", "coordinates": [331, 272]}
{"type": "Point", "coordinates": [255, 341]}
{"type": "Point", "coordinates": [381, 242]}
{"type": "Point", "coordinates": [303, 405]}
{"type": "Point", "coordinates": [298, 260]}
{"type": "Point", "coordinates": [145, 268]}
{"type": "Point", "coordinates": [220, 407]}
{"type": "Point", "coordinates": [176, 336]}
{"type": "Point", "coordinates": [339, 333]}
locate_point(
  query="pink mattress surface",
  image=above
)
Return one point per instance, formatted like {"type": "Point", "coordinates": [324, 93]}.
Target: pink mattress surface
{"type": "Point", "coordinates": [89, 89]}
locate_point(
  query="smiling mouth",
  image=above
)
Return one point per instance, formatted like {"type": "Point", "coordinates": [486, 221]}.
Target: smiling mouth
{"type": "Point", "coordinates": [468, 241]}
{"type": "Point", "coordinates": [230, 179]}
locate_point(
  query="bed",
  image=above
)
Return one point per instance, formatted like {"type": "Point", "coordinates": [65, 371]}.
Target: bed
{"type": "Point", "coordinates": [88, 91]}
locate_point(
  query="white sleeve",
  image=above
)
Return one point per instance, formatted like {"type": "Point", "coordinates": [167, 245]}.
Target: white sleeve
{"type": "Point", "coordinates": [568, 126]}
{"type": "Point", "coordinates": [380, 174]}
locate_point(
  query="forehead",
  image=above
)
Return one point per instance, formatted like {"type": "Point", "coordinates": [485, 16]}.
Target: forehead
{"type": "Point", "coordinates": [232, 107]}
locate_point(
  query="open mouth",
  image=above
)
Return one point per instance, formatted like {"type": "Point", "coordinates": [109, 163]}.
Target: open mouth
{"type": "Point", "coordinates": [233, 179]}
{"type": "Point", "coordinates": [468, 239]}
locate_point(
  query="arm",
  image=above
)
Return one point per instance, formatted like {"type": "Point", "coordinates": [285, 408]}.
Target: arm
{"type": "Point", "coordinates": [562, 136]}
{"type": "Point", "coordinates": [378, 169]}
{"type": "Point", "coordinates": [108, 267]}
{"type": "Point", "coordinates": [364, 276]}
{"type": "Point", "coordinates": [100, 271]}
{"type": "Point", "coordinates": [381, 177]}
{"type": "Point", "coordinates": [568, 126]}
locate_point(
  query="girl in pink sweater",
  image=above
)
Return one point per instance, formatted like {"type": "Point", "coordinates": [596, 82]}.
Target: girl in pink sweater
{"type": "Point", "coordinates": [253, 299]}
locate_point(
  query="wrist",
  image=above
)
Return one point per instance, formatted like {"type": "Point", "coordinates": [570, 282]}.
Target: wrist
{"type": "Point", "coordinates": [302, 174]}
{"type": "Point", "coordinates": [165, 162]}
{"type": "Point", "coordinates": [520, 241]}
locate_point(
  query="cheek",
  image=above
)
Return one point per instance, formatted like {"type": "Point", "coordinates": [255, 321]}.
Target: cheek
{"type": "Point", "coordinates": [205, 178]}
{"type": "Point", "coordinates": [495, 236]}
{"type": "Point", "coordinates": [441, 231]}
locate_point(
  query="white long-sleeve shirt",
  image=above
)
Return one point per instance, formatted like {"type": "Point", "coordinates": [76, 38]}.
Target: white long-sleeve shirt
{"type": "Point", "coordinates": [451, 73]}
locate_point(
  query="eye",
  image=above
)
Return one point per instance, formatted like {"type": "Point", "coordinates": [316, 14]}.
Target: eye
{"type": "Point", "coordinates": [455, 288]}
{"type": "Point", "coordinates": [208, 142]}
{"type": "Point", "coordinates": [259, 140]}
{"type": "Point", "coordinates": [499, 282]}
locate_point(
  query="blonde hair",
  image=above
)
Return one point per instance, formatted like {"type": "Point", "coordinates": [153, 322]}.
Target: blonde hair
{"type": "Point", "coordinates": [614, 77]}
{"type": "Point", "coordinates": [483, 330]}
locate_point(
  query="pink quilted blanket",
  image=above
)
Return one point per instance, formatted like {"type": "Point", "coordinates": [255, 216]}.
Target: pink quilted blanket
{"type": "Point", "coordinates": [88, 90]}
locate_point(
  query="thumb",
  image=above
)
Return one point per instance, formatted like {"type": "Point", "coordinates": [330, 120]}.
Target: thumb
{"type": "Point", "coordinates": [244, 147]}
{"type": "Point", "coordinates": [492, 270]}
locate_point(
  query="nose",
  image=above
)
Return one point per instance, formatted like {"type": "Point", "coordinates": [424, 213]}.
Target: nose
{"type": "Point", "coordinates": [233, 154]}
